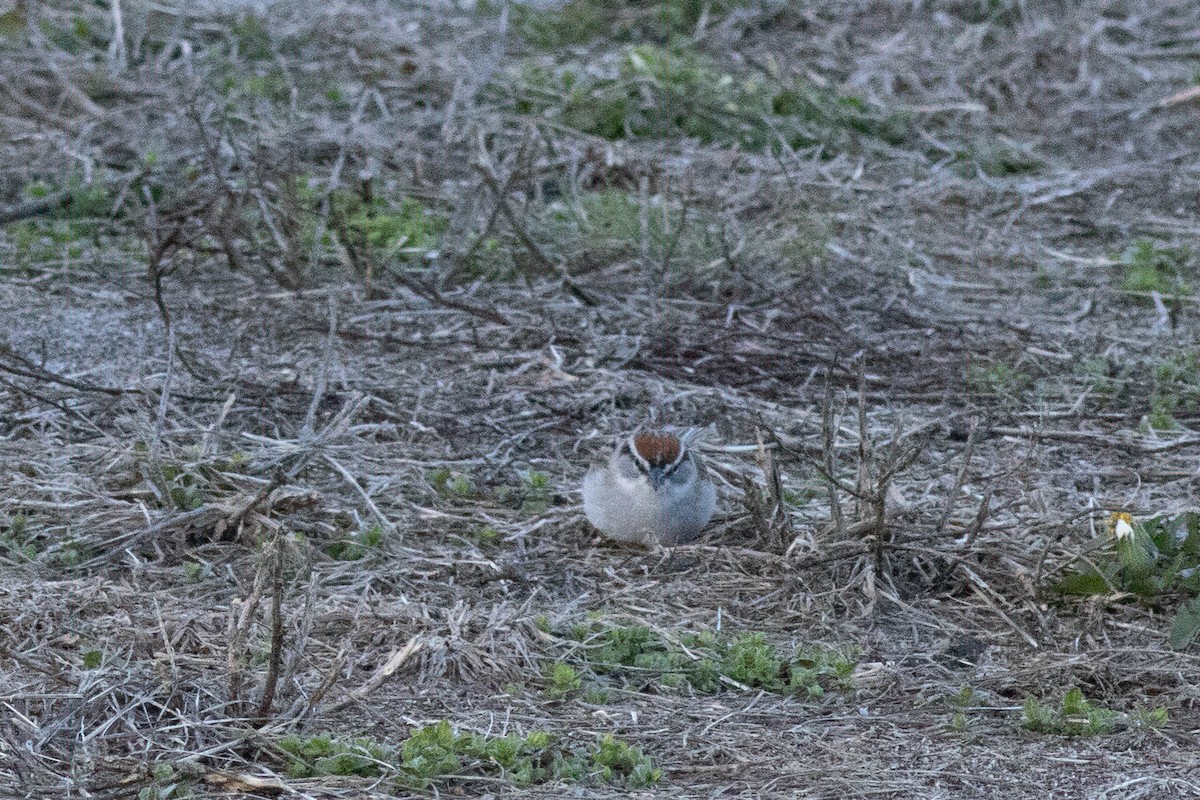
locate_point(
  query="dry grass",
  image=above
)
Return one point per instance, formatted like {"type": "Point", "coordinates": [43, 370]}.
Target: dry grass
{"type": "Point", "coordinates": [263, 473]}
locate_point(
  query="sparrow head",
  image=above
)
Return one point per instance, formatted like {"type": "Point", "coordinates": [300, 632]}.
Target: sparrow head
{"type": "Point", "coordinates": [659, 458]}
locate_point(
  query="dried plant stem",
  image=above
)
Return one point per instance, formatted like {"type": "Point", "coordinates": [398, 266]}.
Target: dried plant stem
{"type": "Point", "coordinates": [276, 657]}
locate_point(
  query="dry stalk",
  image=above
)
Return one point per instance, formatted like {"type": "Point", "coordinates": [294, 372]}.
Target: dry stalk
{"type": "Point", "coordinates": [276, 656]}
{"type": "Point", "coordinates": [829, 456]}
{"type": "Point", "coordinates": [241, 618]}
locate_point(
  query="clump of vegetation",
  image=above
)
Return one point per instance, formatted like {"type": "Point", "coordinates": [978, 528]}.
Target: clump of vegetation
{"type": "Point", "coordinates": [1148, 559]}
{"type": "Point", "coordinates": [182, 487]}
{"type": "Point", "coordinates": [354, 547]}
{"type": "Point", "coordinates": [666, 92]}
{"type": "Point", "coordinates": [195, 571]}
{"type": "Point", "coordinates": [1165, 388]}
{"type": "Point", "coordinates": [1176, 388]}
{"type": "Point", "coordinates": [75, 37]}
{"type": "Point", "coordinates": [327, 755]}
{"type": "Point", "coordinates": [581, 21]}
{"type": "Point", "coordinates": [451, 483]}
{"type": "Point", "coordinates": [165, 784]}
{"type": "Point", "coordinates": [702, 661]}
{"type": "Point", "coordinates": [1102, 374]}
{"type": "Point", "coordinates": [608, 226]}
{"type": "Point", "coordinates": [389, 230]}
{"type": "Point", "coordinates": [753, 662]}
{"type": "Point", "coordinates": [996, 159]}
{"type": "Point", "coordinates": [1148, 267]}
{"type": "Point", "coordinates": [1074, 716]}
{"type": "Point", "coordinates": [564, 680]}
{"type": "Point", "coordinates": [533, 496]}
{"type": "Point", "coordinates": [19, 543]}
{"type": "Point", "coordinates": [802, 250]}
{"type": "Point", "coordinates": [16, 541]}
{"type": "Point", "coordinates": [962, 703]}
{"type": "Point", "coordinates": [251, 37]}
{"type": "Point", "coordinates": [487, 536]}
{"type": "Point", "coordinates": [65, 553]}
{"type": "Point", "coordinates": [814, 669]}
{"type": "Point", "coordinates": [636, 652]}
{"type": "Point", "coordinates": [1006, 13]}
{"type": "Point", "coordinates": [615, 761]}
{"type": "Point", "coordinates": [437, 753]}
{"type": "Point", "coordinates": [62, 233]}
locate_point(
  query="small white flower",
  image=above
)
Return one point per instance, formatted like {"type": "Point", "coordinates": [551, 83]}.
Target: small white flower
{"type": "Point", "coordinates": [1122, 530]}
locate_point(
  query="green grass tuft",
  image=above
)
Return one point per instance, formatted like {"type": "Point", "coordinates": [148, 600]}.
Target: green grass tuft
{"type": "Point", "coordinates": [659, 92]}
{"type": "Point", "coordinates": [579, 22]}
{"type": "Point", "coordinates": [451, 484]}
{"type": "Point", "coordinates": [1075, 716]}
{"type": "Point", "coordinates": [354, 547]}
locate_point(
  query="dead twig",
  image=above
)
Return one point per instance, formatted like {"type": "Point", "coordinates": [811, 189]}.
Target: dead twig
{"type": "Point", "coordinates": [276, 657]}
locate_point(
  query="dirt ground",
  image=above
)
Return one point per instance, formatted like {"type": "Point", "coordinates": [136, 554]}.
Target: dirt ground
{"type": "Point", "coordinates": [313, 317]}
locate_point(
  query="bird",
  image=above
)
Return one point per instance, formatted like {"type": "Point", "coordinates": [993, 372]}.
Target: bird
{"type": "Point", "coordinates": [653, 490]}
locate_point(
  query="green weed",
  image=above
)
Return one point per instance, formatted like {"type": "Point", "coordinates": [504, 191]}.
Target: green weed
{"type": "Point", "coordinates": [75, 38]}
{"type": "Point", "coordinates": [451, 483]}
{"type": "Point", "coordinates": [1148, 559]}
{"type": "Point", "coordinates": [195, 572]}
{"type": "Point", "coordinates": [252, 37]}
{"type": "Point", "coordinates": [17, 542]}
{"type": "Point", "coordinates": [532, 497]}
{"type": "Point", "coordinates": [658, 93]}
{"type": "Point", "coordinates": [564, 680]}
{"type": "Point", "coordinates": [1074, 716]}
{"type": "Point", "coordinates": [64, 232]}
{"type": "Point", "coordinates": [389, 230]}
{"type": "Point", "coordinates": [13, 23]}
{"type": "Point", "coordinates": [996, 159]}
{"type": "Point", "coordinates": [582, 21]}
{"type": "Point", "coordinates": [813, 670]}
{"type": "Point", "coordinates": [618, 762]}
{"type": "Point", "coordinates": [608, 226]}
{"type": "Point", "coordinates": [1148, 267]}
{"type": "Point", "coordinates": [701, 661]}
{"type": "Point", "coordinates": [803, 250]}
{"type": "Point", "coordinates": [355, 547]}
{"type": "Point", "coordinates": [165, 784]}
{"type": "Point", "coordinates": [182, 487]}
{"type": "Point", "coordinates": [486, 536]}
{"type": "Point", "coordinates": [438, 754]}
{"type": "Point", "coordinates": [326, 755]}
{"type": "Point", "coordinates": [961, 704]}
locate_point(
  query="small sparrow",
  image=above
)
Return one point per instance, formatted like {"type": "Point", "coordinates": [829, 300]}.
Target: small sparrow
{"type": "Point", "coordinates": [653, 490]}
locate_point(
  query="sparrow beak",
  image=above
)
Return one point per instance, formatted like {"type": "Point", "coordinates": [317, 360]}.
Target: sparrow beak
{"type": "Point", "coordinates": [656, 476]}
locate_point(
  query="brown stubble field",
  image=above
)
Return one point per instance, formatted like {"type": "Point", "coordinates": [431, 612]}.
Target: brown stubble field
{"type": "Point", "coordinates": [313, 318]}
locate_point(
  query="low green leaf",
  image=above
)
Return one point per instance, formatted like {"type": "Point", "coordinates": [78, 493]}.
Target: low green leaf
{"type": "Point", "coordinates": [1186, 625]}
{"type": "Point", "coordinates": [1084, 583]}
